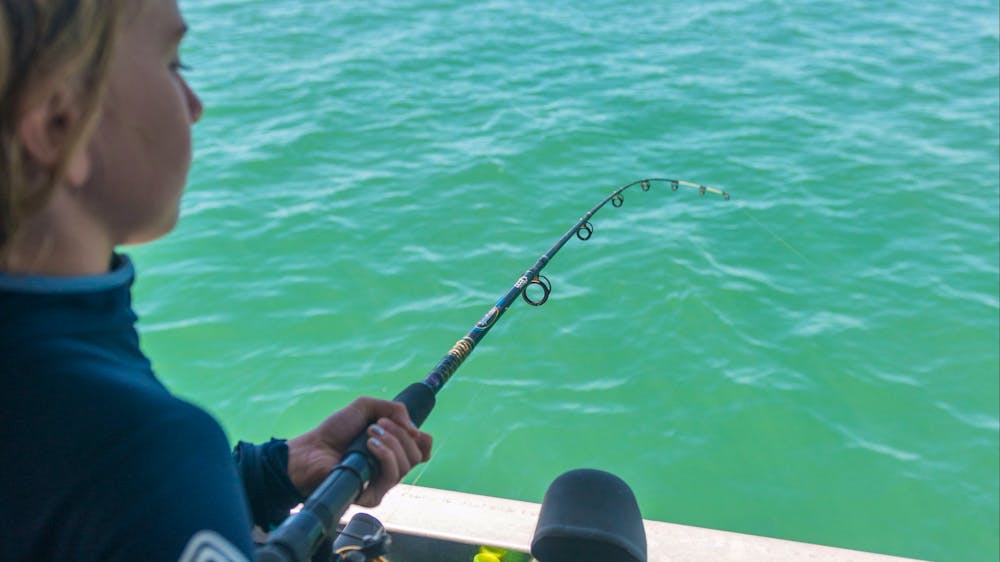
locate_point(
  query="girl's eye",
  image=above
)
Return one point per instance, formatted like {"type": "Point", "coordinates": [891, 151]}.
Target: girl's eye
{"type": "Point", "coordinates": [179, 67]}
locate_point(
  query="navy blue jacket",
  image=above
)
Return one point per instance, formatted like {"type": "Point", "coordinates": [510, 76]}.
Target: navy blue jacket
{"type": "Point", "coordinates": [98, 461]}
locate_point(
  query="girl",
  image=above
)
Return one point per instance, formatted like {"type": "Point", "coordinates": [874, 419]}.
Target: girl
{"type": "Point", "coordinates": [99, 460]}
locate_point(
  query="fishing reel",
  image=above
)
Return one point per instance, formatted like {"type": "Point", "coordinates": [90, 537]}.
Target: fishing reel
{"type": "Point", "coordinates": [364, 539]}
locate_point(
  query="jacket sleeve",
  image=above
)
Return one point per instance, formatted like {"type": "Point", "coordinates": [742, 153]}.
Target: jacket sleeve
{"type": "Point", "coordinates": [263, 470]}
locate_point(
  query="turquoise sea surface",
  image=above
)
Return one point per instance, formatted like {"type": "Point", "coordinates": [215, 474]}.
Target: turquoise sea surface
{"type": "Point", "coordinates": [817, 359]}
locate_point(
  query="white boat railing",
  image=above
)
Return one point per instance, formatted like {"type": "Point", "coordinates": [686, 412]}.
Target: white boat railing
{"type": "Point", "coordinates": [436, 521]}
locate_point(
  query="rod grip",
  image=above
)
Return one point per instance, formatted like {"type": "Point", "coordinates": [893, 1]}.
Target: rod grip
{"type": "Point", "coordinates": [419, 400]}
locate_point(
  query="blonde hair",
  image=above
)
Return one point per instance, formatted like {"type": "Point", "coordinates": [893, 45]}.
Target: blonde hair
{"type": "Point", "coordinates": [69, 40]}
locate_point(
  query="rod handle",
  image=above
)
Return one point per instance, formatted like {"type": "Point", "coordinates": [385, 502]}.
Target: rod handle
{"type": "Point", "coordinates": [296, 539]}
{"type": "Point", "coordinates": [419, 400]}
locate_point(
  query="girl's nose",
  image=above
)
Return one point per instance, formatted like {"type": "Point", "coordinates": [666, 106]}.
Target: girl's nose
{"type": "Point", "coordinates": [195, 108]}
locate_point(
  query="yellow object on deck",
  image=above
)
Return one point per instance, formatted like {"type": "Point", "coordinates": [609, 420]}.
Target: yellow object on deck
{"type": "Point", "coordinates": [489, 554]}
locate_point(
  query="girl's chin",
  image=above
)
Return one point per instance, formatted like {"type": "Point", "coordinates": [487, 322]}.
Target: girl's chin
{"type": "Point", "coordinates": [153, 232]}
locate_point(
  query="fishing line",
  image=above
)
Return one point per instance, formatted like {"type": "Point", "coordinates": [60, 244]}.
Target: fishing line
{"type": "Point", "coordinates": [300, 534]}
{"type": "Point", "coordinates": [775, 236]}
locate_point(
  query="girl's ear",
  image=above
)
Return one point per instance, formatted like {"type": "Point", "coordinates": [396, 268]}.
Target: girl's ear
{"type": "Point", "coordinates": [46, 131]}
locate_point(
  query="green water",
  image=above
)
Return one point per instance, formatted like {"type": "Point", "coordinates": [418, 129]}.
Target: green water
{"type": "Point", "coordinates": [816, 359]}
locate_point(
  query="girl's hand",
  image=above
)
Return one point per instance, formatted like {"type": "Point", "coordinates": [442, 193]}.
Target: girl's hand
{"type": "Point", "coordinates": [392, 439]}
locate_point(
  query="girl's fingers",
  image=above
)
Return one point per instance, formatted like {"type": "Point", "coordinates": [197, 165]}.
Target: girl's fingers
{"type": "Point", "coordinates": [411, 448]}
{"type": "Point", "coordinates": [400, 416]}
{"type": "Point", "coordinates": [389, 474]}
{"type": "Point", "coordinates": [424, 442]}
{"type": "Point", "coordinates": [396, 438]}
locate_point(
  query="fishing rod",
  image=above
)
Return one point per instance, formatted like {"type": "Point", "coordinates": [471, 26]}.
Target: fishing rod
{"type": "Point", "coordinates": [300, 535]}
